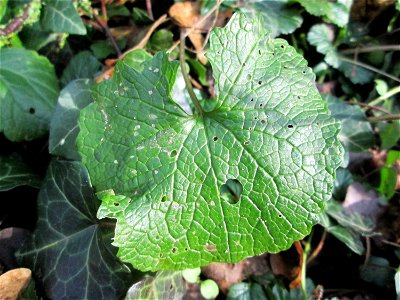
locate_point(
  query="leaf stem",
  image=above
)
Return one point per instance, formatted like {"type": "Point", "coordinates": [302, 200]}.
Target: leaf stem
{"type": "Point", "coordinates": [307, 249]}
{"type": "Point", "coordinates": [371, 49]}
{"type": "Point", "coordinates": [368, 67]}
{"type": "Point", "coordinates": [188, 83]}
{"type": "Point", "coordinates": [384, 118]}
{"type": "Point", "coordinates": [385, 96]}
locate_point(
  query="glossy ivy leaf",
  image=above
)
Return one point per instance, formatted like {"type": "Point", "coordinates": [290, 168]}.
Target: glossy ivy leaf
{"type": "Point", "coordinates": [349, 237]}
{"type": "Point", "coordinates": [28, 94]}
{"type": "Point", "coordinates": [356, 133]}
{"type": "Point", "coordinates": [164, 285]}
{"type": "Point", "coordinates": [246, 291]}
{"type": "Point", "coordinates": [64, 122]}
{"type": "Point", "coordinates": [270, 130]}
{"type": "Point", "coordinates": [14, 173]}
{"type": "Point", "coordinates": [279, 17]}
{"type": "Point", "coordinates": [82, 65]}
{"type": "Point", "coordinates": [377, 271]}
{"type": "Point", "coordinates": [61, 16]}
{"type": "Point", "coordinates": [69, 252]}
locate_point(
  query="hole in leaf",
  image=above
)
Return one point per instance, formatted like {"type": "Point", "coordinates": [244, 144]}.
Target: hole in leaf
{"type": "Point", "coordinates": [283, 47]}
{"type": "Point", "coordinates": [263, 121]}
{"type": "Point", "coordinates": [290, 126]}
{"type": "Point", "coordinates": [259, 82]}
{"type": "Point", "coordinates": [273, 53]}
{"type": "Point", "coordinates": [298, 97]}
{"type": "Point", "coordinates": [251, 99]}
{"type": "Point", "coordinates": [246, 143]}
{"type": "Point", "coordinates": [280, 215]}
{"type": "Point", "coordinates": [215, 138]}
{"type": "Point", "coordinates": [250, 128]}
{"type": "Point", "coordinates": [164, 199]}
{"type": "Point", "coordinates": [261, 105]}
{"type": "Point", "coordinates": [255, 118]}
{"type": "Point", "coordinates": [231, 191]}
{"type": "Point", "coordinates": [186, 249]}
{"type": "Point", "coordinates": [259, 51]}
{"type": "Point", "coordinates": [304, 72]}
{"type": "Point", "coordinates": [248, 76]}
{"type": "Point", "coordinates": [218, 52]}
{"type": "Point", "coordinates": [171, 287]}
{"type": "Point", "coordinates": [116, 203]}
{"type": "Point", "coordinates": [31, 110]}
{"type": "Point", "coordinates": [173, 153]}
{"type": "Point", "coordinates": [174, 250]}
{"type": "Point", "coordinates": [244, 64]}
{"type": "Point", "coordinates": [285, 67]}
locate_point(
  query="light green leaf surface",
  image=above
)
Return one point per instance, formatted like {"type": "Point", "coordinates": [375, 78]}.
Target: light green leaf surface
{"type": "Point", "coordinates": [61, 16]}
{"type": "Point", "coordinates": [14, 173]}
{"type": "Point", "coordinates": [322, 36]}
{"type": "Point", "coordinates": [64, 123]}
{"type": "Point", "coordinates": [82, 65]}
{"type": "Point", "coordinates": [164, 285]}
{"type": "Point", "coordinates": [69, 252]}
{"type": "Point", "coordinates": [356, 133]}
{"type": "Point", "coordinates": [28, 94]}
{"type": "Point", "coordinates": [337, 12]}
{"type": "Point", "coordinates": [279, 17]}
{"type": "Point", "coordinates": [271, 131]}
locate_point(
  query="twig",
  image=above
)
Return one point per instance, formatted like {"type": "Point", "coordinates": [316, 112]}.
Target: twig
{"type": "Point", "coordinates": [189, 86]}
{"type": "Point", "coordinates": [384, 118]}
{"type": "Point", "coordinates": [369, 106]}
{"type": "Point", "coordinates": [368, 67]}
{"type": "Point", "coordinates": [16, 23]}
{"type": "Point", "coordinates": [317, 249]}
{"type": "Point", "coordinates": [371, 49]}
{"type": "Point", "coordinates": [368, 250]}
{"type": "Point", "coordinates": [385, 96]}
{"type": "Point", "coordinates": [146, 38]}
{"type": "Point", "coordinates": [193, 28]}
{"type": "Point", "coordinates": [105, 27]}
{"type": "Point", "coordinates": [149, 10]}
{"type": "Point", "coordinates": [390, 243]}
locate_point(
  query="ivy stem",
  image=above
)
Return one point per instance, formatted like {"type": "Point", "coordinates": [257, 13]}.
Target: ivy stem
{"type": "Point", "coordinates": [306, 250]}
{"type": "Point", "coordinates": [188, 83]}
{"type": "Point", "coordinates": [385, 96]}
{"type": "Point", "coordinates": [384, 118]}
{"type": "Point", "coordinates": [371, 49]}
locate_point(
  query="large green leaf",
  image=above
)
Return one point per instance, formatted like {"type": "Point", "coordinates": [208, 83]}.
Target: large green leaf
{"type": "Point", "coordinates": [61, 16]}
{"type": "Point", "coordinates": [70, 252]}
{"type": "Point", "coordinates": [13, 173]}
{"type": "Point", "coordinates": [279, 17]}
{"type": "Point", "coordinates": [271, 131]}
{"type": "Point", "coordinates": [64, 122]}
{"type": "Point", "coordinates": [356, 133]}
{"type": "Point", "coordinates": [28, 94]}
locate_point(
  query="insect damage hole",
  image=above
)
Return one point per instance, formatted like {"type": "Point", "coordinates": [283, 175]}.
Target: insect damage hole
{"type": "Point", "coordinates": [32, 110]}
{"type": "Point", "coordinates": [215, 138]}
{"type": "Point", "coordinates": [231, 191]}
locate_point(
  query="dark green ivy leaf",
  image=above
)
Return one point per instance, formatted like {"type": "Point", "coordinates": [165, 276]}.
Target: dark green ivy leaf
{"type": "Point", "coordinates": [70, 253]}
{"type": "Point", "coordinates": [14, 173]}
{"type": "Point", "coordinates": [82, 65]}
{"type": "Point", "coordinates": [61, 16]}
{"type": "Point", "coordinates": [64, 122]}
{"type": "Point", "coordinates": [28, 94]}
{"type": "Point", "coordinates": [271, 131]}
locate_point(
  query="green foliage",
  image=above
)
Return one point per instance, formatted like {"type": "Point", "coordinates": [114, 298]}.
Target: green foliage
{"type": "Point", "coordinates": [246, 291]}
{"type": "Point", "coordinates": [164, 285]}
{"type": "Point", "coordinates": [209, 289]}
{"type": "Point", "coordinates": [279, 17]}
{"type": "Point", "coordinates": [192, 275]}
{"type": "Point", "coordinates": [70, 251]}
{"type": "Point", "coordinates": [64, 123]}
{"type": "Point", "coordinates": [153, 153]}
{"type": "Point", "coordinates": [14, 173]}
{"type": "Point", "coordinates": [27, 98]}
{"type": "Point", "coordinates": [82, 65]}
{"type": "Point", "coordinates": [389, 175]}
{"type": "Point", "coordinates": [61, 16]}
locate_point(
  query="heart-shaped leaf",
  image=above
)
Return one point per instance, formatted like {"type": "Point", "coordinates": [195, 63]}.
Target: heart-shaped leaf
{"type": "Point", "coordinates": [270, 133]}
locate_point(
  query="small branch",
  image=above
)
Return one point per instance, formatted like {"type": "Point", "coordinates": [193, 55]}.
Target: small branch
{"type": "Point", "coordinates": [107, 31]}
{"type": "Point", "coordinates": [369, 106]}
{"type": "Point", "coordinates": [146, 38]}
{"type": "Point", "coordinates": [368, 67]}
{"type": "Point", "coordinates": [193, 28]}
{"type": "Point", "coordinates": [385, 96]}
{"type": "Point", "coordinates": [16, 23]}
{"type": "Point", "coordinates": [384, 118]}
{"type": "Point", "coordinates": [390, 243]}
{"type": "Point", "coordinates": [368, 250]}
{"type": "Point", "coordinates": [317, 249]}
{"type": "Point", "coordinates": [189, 86]}
{"type": "Point", "coordinates": [371, 49]}
{"type": "Point", "coordinates": [149, 9]}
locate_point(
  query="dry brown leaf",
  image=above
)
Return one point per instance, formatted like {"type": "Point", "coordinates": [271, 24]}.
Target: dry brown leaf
{"type": "Point", "coordinates": [13, 283]}
{"type": "Point", "coordinates": [368, 9]}
{"type": "Point", "coordinates": [225, 275]}
{"type": "Point", "coordinates": [288, 264]}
